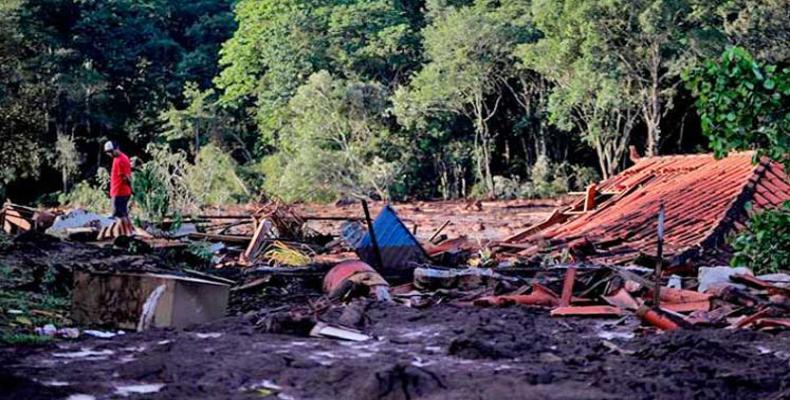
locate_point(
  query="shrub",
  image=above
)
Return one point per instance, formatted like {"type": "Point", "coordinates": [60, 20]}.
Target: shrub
{"type": "Point", "coordinates": [158, 184]}
{"type": "Point", "coordinates": [213, 179]}
{"type": "Point", "coordinates": [743, 104]}
{"type": "Point", "coordinates": [89, 195]}
{"type": "Point", "coordinates": [764, 245]}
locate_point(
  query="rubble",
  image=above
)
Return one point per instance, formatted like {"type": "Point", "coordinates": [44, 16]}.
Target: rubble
{"type": "Point", "coordinates": [422, 281]}
{"type": "Point", "coordinates": [620, 229]}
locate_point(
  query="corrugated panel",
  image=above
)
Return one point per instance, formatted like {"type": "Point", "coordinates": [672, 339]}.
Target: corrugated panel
{"type": "Point", "coordinates": [703, 197]}
{"type": "Point", "coordinates": [399, 248]}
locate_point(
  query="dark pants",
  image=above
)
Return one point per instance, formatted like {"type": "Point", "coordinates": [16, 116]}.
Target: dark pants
{"type": "Point", "coordinates": [120, 206]}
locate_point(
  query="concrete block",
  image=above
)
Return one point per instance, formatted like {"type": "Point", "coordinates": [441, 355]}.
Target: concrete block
{"type": "Point", "coordinates": [118, 299]}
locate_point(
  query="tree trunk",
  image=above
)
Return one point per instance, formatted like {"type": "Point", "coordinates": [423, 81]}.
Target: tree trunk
{"type": "Point", "coordinates": [64, 173]}
{"type": "Point", "coordinates": [651, 109]}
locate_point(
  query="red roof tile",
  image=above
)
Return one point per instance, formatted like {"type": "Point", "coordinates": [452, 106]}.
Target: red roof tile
{"type": "Point", "coordinates": [704, 200]}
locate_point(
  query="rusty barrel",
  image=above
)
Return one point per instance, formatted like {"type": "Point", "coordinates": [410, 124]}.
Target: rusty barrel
{"type": "Point", "coordinates": [343, 271]}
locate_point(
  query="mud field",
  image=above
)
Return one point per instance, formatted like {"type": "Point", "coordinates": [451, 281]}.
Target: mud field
{"type": "Point", "coordinates": [443, 352]}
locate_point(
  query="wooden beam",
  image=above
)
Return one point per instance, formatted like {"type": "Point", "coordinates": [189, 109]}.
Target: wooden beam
{"type": "Point", "coordinates": [220, 238]}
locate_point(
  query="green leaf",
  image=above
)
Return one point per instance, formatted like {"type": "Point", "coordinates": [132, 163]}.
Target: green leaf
{"type": "Point", "coordinates": [769, 84]}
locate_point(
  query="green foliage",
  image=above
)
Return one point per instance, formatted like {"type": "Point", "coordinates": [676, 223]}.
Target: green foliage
{"type": "Point", "coordinates": [744, 104]}
{"type": "Point", "coordinates": [212, 180]}
{"type": "Point", "coordinates": [25, 339]}
{"type": "Point", "coordinates": [192, 121]}
{"type": "Point", "coordinates": [89, 70]}
{"type": "Point", "coordinates": [764, 245]}
{"type": "Point", "coordinates": [169, 184]}
{"type": "Point", "coordinates": [469, 60]}
{"type": "Point", "coordinates": [21, 111]}
{"type": "Point", "coordinates": [18, 328]}
{"type": "Point", "coordinates": [67, 159]}
{"type": "Point", "coordinates": [760, 26]}
{"type": "Point", "coordinates": [375, 98]}
{"type": "Point", "coordinates": [90, 196]}
{"type": "Point", "coordinates": [547, 180]}
{"type": "Point", "coordinates": [201, 250]}
{"type": "Point", "coordinates": [335, 144]}
{"type": "Point", "coordinates": [280, 44]}
{"type": "Point", "coordinates": [158, 187]}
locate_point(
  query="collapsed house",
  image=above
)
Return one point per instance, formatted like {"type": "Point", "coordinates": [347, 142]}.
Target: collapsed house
{"type": "Point", "coordinates": [616, 221]}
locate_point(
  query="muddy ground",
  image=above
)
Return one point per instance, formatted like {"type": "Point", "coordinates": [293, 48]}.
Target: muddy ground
{"type": "Point", "coordinates": [442, 352]}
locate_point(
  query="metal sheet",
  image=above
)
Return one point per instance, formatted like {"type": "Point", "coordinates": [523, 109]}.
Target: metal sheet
{"type": "Point", "coordinates": [400, 250]}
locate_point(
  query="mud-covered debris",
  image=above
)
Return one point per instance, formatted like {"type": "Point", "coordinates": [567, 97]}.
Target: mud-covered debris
{"type": "Point", "coordinates": [354, 279]}
{"type": "Point", "coordinates": [336, 332]}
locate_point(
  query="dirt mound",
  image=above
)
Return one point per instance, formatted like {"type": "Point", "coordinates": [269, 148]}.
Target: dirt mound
{"type": "Point", "coordinates": [394, 382]}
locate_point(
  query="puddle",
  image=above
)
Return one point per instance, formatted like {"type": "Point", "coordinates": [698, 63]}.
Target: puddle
{"type": "Point", "coordinates": [609, 335]}
{"type": "Point", "coordinates": [264, 384]}
{"type": "Point", "coordinates": [86, 353]}
{"type": "Point", "coordinates": [144, 388]}
{"type": "Point", "coordinates": [80, 397]}
{"type": "Point", "coordinates": [134, 349]}
{"type": "Point", "coordinates": [211, 335]}
{"type": "Point", "coordinates": [55, 383]}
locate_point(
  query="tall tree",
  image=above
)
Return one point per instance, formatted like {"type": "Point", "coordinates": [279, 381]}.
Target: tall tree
{"type": "Point", "coordinates": [279, 44]}
{"type": "Point", "coordinates": [597, 101]}
{"type": "Point", "coordinates": [336, 142]}
{"type": "Point", "coordinates": [650, 42]}
{"type": "Point", "coordinates": [468, 51]}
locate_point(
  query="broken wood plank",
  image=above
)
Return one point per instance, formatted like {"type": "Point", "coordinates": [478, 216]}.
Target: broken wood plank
{"type": "Point", "coordinates": [210, 277]}
{"type": "Point", "coordinates": [220, 238]}
{"type": "Point", "coordinates": [256, 243]}
{"type": "Point", "coordinates": [587, 311]}
{"type": "Point", "coordinates": [16, 219]}
{"type": "Point", "coordinates": [556, 217]}
{"type": "Point", "coordinates": [567, 287]}
{"type": "Point", "coordinates": [438, 231]}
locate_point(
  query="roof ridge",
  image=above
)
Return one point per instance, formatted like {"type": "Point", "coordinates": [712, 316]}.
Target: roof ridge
{"type": "Point", "coordinates": [692, 155]}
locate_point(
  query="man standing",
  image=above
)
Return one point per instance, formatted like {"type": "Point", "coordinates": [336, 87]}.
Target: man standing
{"type": "Point", "coordinates": [120, 186]}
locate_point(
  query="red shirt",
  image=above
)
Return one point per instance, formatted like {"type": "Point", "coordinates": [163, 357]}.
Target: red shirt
{"type": "Point", "coordinates": [121, 167]}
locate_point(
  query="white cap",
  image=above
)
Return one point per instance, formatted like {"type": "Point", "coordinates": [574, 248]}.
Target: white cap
{"type": "Point", "coordinates": [109, 146]}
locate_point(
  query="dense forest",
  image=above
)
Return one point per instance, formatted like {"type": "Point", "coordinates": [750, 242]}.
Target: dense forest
{"type": "Point", "coordinates": [314, 100]}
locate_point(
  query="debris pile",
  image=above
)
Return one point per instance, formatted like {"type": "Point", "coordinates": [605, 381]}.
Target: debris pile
{"type": "Point", "coordinates": [628, 259]}
{"type": "Point", "coordinates": [629, 248]}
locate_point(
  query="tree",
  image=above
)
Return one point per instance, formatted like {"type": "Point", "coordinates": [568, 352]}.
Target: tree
{"type": "Point", "coordinates": [759, 26]}
{"type": "Point", "coordinates": [89, 70]}
{"type": "Point", "coordinates": [336, 142]}
{"type": "Point", "coordinates": [204, 120]}
{"type": "Point", "coordinates": [597, 101]}
{"type": "Point", "coordinates": [649, 43]}
{"type": "Point", "coordinates": [280, 44]}
{"type": "Point", "coordinates": [22, 119]}
{"type": "Point", "coordinates": [189, 123]}
{"type": "Point", "coordinates": [468, 52]}
{"type": "Point", "coordinates": [743, 104]}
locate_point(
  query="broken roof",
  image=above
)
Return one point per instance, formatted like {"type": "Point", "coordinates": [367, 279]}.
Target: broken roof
{"type": "Point", "coordinates": [704, 200]}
